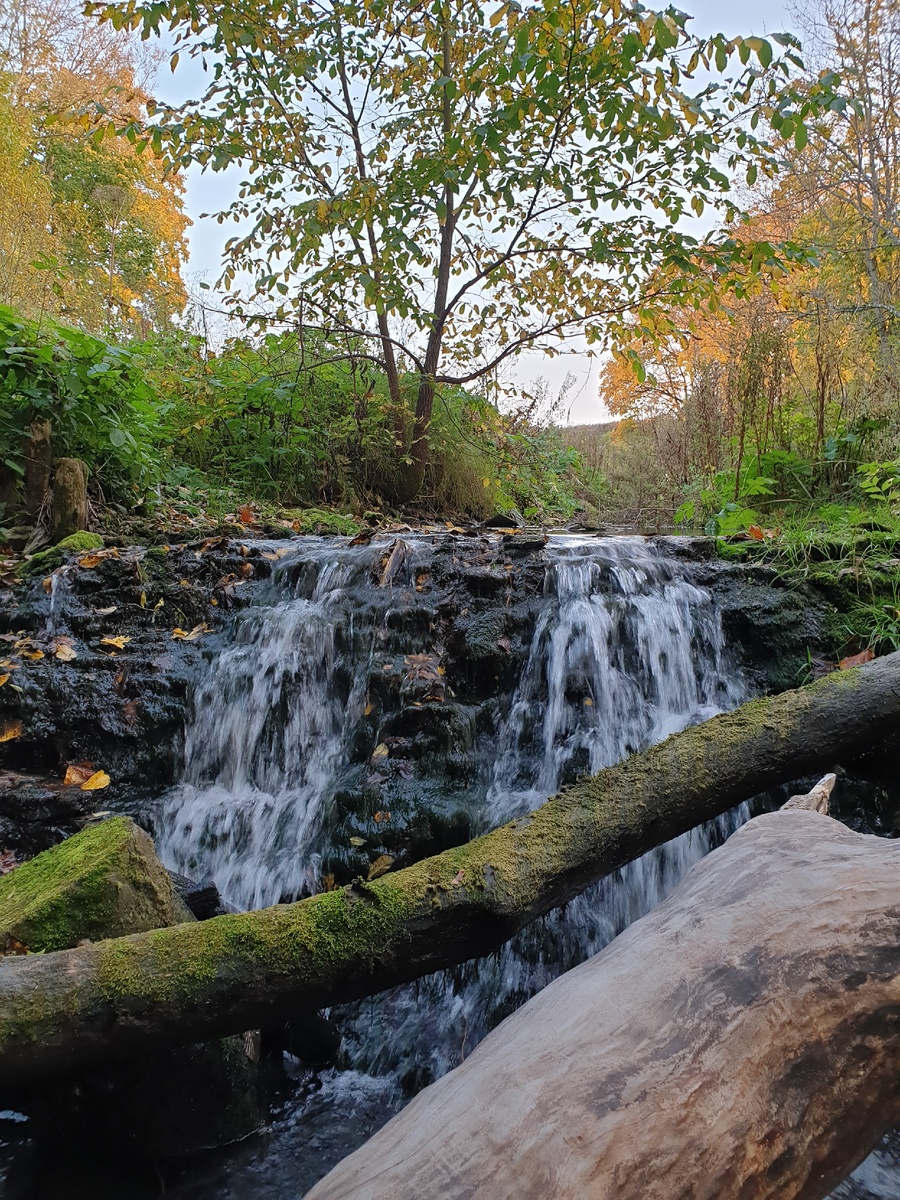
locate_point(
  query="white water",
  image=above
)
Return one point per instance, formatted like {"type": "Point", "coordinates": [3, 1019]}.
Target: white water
{"type": "Point", "coordinates": [625, 650]}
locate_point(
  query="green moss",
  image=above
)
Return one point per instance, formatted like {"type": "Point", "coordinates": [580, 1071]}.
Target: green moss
{"type": "Point", "coordinates": [101, 883]}
{"type": "Point", "coordinates": [46, 561]}
{"type": "Point", "coordinates": [323, 521]}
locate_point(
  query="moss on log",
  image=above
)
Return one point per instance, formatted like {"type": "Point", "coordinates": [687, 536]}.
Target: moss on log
{"type": "Point", "coordinates": [240, 971]}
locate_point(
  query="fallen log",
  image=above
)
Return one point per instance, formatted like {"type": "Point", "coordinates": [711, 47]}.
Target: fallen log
{"type": "Point", "coordinates": [742, 1042]}
{"type": "Point", "coordinates": [62, 1011]}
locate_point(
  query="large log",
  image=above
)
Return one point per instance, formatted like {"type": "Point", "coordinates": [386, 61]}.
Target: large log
{"type": "Point", "coordinates": [742, 1042]}
{"type": "Point", "coordinates": [62, 1011]}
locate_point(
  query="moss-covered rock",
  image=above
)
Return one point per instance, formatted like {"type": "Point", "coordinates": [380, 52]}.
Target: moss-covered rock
{"type": "Point", "coordinates": [322, 521]}
{"type": "Point", "coordinates": [104, 882]}
{"type": "Point", "coordinates": [46, 561]}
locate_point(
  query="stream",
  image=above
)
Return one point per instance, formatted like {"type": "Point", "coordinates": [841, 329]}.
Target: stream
{"type": "Point", "coordinates": [343, 717]}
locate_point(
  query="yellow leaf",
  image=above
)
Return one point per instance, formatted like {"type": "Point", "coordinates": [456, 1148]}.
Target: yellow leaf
{"type": "Point", "coordinates": [47, 584]}
{"type": "Point", "coordinates": [118, 641]}
{"type": "Point", "coordinates": [64, 653]}
{"type": "Point", "coordinates": [96, 783]}
{"type": "Point", "coordinates": [90, 561]}
{"type": "Point", "coordinates": [143, 599]}
{"type": "Point", "coordinates": [11, 730]}
{"type": "Point", "coordinates": [33, 654]}
{"type": "Point", "coordinates": [357, 841]}
{"type": "Point", "coordinates": [181, 635]}
{"type": "Point", "coordinates": [78, 773]}
{"type": "Point", "coordinates": [3, 679]}
{"type": "Point", "coordinates": [380, 751]}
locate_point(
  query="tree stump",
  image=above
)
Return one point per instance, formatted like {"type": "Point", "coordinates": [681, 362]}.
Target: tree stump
{"type": "Point", "coordinates": [38, 461]}
{"type": "Point", "coordinates": [69, 505]}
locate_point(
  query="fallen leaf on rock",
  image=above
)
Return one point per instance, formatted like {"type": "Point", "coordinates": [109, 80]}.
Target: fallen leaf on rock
{"type": "Point", "coordinates": [458, 877]}
{"type": "Point", "coordinates": [119, 641]}
{"type": "Point", "coordinates": [64, 652]}
{"type": "Point", "coordinates": [105, 612]}
{"type": "Point", "coordinates": [857, 660]}
{"type": "Point", "coordinates": [90, 561]}
{"type": "Point", "coordinates": [357, 842]}
{"type": "Point", "coordinates": [97, 782]}
{"type": "Point", "coordinates": [11, 730]}
{"type": "Point", "coordinates": [78, 773]}
{"type": "Point", "coordinates": [380, 751]}
{"type": "Point", "coordinates": [381, 816]}
{"type": "Point", "coordinates": [12, 945]}
{"type": "Point", "coordinates": [245, 515]}
{"type": "Point", "coordinates": [143, 601]}
{"type": "Point", "coordinates": [183, 635]}
{"type": "Point", "coordinates": [47, 583]}
{"type": "Point", "coordinates": [4, 679]}
{"type": "Point", "coordinates": [379, 867]}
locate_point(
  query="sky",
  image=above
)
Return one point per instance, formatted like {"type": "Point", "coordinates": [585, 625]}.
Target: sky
{"type": "Point", "coordinates": [207, 192]}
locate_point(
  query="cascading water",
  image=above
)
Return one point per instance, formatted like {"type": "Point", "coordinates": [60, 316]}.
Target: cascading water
{"type": "Point", "coordinates": [620, 650]}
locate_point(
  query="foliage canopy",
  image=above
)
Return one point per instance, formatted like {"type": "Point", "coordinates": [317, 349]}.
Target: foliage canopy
{"type": "Point", "coordinates": [472, 179]}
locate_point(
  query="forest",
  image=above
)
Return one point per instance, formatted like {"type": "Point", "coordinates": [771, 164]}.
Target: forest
{"type": "Point", "coordinates": [408, 789]}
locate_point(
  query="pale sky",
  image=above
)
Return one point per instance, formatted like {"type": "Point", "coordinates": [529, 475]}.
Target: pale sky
{"type": "Point", "coordinates": [209, 192]}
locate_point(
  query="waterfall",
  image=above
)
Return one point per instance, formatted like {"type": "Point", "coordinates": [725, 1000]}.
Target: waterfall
{"type": "Point", "coordinates": [623, 649]}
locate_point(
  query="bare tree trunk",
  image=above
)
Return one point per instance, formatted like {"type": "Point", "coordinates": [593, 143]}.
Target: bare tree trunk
{"type": "Point", "coordinates": [62, 1011]}
{"type": "Point", "coordinates": [741, 1042]}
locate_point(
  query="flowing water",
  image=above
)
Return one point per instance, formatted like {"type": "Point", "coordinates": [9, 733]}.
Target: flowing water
{"type": "Point", "coordinates": [624, 649]}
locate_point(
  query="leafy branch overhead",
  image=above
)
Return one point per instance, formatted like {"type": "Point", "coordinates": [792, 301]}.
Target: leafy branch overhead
{"type": "Point", "coordinates": [456, 182]}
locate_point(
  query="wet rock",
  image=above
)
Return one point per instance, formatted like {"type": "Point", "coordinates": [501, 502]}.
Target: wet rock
{"type": "Point", "coordinates": [202, 899]}
{"type": "Point", "coordinates": [508, 519]}
{"type": "Point", "coordinates": [36, 812]}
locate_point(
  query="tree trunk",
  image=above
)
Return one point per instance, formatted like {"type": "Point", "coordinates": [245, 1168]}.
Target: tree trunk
{"type": "Point", "coordinates": [65, 1010]}
{"type": "Point", "coordinates": [38, 461]}
{"type": "Point", "coordinates": [742, 1042]}
{"type": "Point", "coordinates": [69, 499]}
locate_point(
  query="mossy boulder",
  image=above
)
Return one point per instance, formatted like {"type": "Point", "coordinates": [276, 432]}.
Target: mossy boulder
{"type": "Point", "coordinates": [46, 561]}
{"type": "Point", "coordinates": [322, 521]}
{"type": "Point", "coordinates": [106, 882]}
{"type": "Point", "coordinates": [102, 883]}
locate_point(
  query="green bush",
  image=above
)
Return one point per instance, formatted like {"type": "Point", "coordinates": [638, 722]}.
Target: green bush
{"type": "Point", "coordinates": [95, 394]}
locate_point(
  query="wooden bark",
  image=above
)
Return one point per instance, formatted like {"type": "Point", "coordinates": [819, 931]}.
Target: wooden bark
{"type": "Point", "coordinates": [38, 460]}
{"type": "Point", "coordinates": [69, 498]}
{"type": "Point", "coordinates": [62, 1011]}
{"type": "Point", "coordinates": [742, 1042]}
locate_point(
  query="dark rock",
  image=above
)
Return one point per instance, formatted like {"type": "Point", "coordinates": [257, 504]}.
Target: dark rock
{"type": "Point", "coordinates": [511, 519]}
{"type": "Point", "coordinates": [202, 899]}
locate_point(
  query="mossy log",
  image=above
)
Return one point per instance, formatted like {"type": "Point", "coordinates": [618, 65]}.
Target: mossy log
{"type": "Point", "coordinates": [742, 1042]}
{"type": "Point", "coordinates": [235, 972]}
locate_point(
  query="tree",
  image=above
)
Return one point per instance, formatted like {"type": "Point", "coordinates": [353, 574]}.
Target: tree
{"type": "Point", "coordinates": [482, 178]}
{"type": "Point", "coordinates": [98, 231]}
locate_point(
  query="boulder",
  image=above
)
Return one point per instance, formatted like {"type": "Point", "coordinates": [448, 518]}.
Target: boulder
{"type": "Point", "coordinates": [105, 882]}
